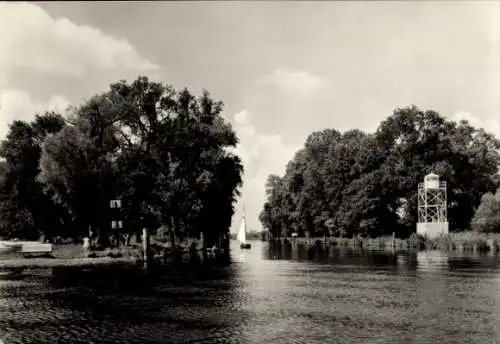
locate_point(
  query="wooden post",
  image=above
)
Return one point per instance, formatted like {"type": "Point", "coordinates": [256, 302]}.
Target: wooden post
{"type": "Point", "coordinates": [203, 245]}
{"type": "Point", "coordinates": [225, 245]}
{"type": "Point", "coordinates": [219, 249]}
{"type": "Point", "coordinates": [146, 246]}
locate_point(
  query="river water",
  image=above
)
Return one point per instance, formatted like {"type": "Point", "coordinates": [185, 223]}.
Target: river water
{"type": "Point", "coordinates": [268, 294]}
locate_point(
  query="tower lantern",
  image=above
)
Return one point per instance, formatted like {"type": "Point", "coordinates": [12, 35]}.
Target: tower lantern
{"type": "Point", "coordinates": [432, 207]}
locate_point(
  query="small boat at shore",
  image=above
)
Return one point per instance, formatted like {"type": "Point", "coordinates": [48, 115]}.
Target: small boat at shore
{"type": "Point", "coordinates": [242, 233]}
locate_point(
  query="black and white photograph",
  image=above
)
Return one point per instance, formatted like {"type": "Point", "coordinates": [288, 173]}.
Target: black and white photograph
{"type": "Point", "coordinates": [250, 172]}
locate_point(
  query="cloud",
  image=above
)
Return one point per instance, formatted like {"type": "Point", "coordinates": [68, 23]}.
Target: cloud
{"type": "Point", "coordinates": [44, 61]}
{"type": "Point", "coordinates": [464, 115]}
{"type": "Point", "coordinates": [490, 125]}
{"type": "Point", "coordinates": [18, 105]}
{"type": "Point", "coordinates": [30, 38]}
{"type": "Point", "coordinates": [297, 81]}
{"type": "Point", "coordinates": [272, 111]}
{"type": "Point", "coordinates": [262, 154]}
{"type": "Point", "coordinates": [241, 117]}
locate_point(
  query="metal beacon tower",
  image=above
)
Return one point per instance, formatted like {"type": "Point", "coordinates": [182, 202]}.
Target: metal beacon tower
{"type": "Point", "coordinates": [432, 207]}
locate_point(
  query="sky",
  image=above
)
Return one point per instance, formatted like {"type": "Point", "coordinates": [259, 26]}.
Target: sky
{"type": "Point", "coordinates": [283, 69]}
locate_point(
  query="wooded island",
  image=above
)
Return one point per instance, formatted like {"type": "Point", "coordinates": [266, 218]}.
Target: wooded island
{"type": "Point", "coordinates": [365, 184]}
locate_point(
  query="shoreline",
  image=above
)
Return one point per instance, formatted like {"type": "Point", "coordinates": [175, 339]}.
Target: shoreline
{"type": "Point", "coordinates": [459, 242]}
{"type": "Point", "coordinates": [63, 262]}
{"type": "Point", "coordinates": [455, 241]}
{"type": "Point", "coordinates": [72, 255]}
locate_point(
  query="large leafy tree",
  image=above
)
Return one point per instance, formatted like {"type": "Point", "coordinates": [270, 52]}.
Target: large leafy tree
{"type": "Point", "coordinates": [421, 142]}
{"type": "Point", "coordinates": [162, 151]}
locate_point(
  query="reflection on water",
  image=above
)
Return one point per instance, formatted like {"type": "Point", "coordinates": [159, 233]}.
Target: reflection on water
{"type": "Point", "coordinates": [272, 293]}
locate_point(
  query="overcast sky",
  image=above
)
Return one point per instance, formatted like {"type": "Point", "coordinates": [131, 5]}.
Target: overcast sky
{"type": "Point", "coordinates": [283, 69]}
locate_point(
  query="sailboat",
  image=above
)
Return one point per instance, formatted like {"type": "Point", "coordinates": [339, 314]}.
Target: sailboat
{"type": "Point", "coordinates": [242, 233]}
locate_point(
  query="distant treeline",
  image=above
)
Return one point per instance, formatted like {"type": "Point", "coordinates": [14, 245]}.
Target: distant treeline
{"type": "Point", "coordinates": [253, 235]}
{"type": "Point", "coordinates": [355, 183]}
{"type": "Point", "coordinates": [162, 152]}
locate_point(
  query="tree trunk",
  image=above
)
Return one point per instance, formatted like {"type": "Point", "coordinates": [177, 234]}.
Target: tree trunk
{"type": "Point", "coordinates": [203, 245]}
{"type": "Point", "coordinates": [172, 232]}
{"type": "Point", "coordinates": [138, 236]}
{"type": "Point", "coordinates": [177, 228]}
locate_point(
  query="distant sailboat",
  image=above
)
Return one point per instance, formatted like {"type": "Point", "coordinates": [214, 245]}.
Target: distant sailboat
{"type": "Point", "coordinates": [242, 233]}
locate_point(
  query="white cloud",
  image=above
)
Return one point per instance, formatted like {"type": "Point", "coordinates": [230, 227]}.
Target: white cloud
{"type": "Point", "coordinates": [464, 115]}
{"type": "Point", "coordinates": [33, 42]}
{"type": "Point", "coordinates": [262, 154]}
{"type": "Point", "coordinates": [18, 105]}
{"type": "Point", "coordinates": [298, 81]}
{"type": "Point", "coordinates": [490, 125]}
{"type": "Point", "coordinates": [241, 117]}
{"type": "Point", "coordinates": [262, 148]}
{"type": "Point", "coordinates": [30, 38]}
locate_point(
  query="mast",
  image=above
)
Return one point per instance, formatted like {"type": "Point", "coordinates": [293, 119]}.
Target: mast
{"type": "Point", "coordinates": [242, 233]}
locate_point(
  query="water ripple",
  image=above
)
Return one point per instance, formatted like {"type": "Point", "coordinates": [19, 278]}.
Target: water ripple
{"type": "Point", "coordinates": [344, 297]}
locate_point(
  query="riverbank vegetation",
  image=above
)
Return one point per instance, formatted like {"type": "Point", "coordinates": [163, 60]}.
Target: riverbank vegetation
{"type": "Point", "coordinates": [164, 153]}
{"type": "Point", "coordinates": [359, 184]}
{"type": "Point", "coordinates": [458, 241]}
{"type": "Point", "coordinates": [69, 253]}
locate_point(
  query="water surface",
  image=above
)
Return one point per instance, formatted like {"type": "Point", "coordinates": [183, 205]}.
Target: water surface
{"type": "Point", "coordinates": [268, 294]}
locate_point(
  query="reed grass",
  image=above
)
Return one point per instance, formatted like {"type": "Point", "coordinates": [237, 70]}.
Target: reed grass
{"type": "Point", "coordinates": [460, 241]}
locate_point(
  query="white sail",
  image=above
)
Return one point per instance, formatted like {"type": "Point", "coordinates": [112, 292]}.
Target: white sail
{"type": "Point", "coordinates": [242, 233]}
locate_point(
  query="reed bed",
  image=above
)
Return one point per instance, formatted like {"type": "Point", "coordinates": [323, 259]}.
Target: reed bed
{"type": "Point", "coordinates": [456, 241]}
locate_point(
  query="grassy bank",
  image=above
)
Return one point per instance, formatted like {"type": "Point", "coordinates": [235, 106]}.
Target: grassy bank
{"type": "Point", "coordinates": [58, 262]}
{"type": "Point", "coordinates": [70, 255]}
{"type": "Point", "coordinates": [74, 251]}
{"type": "Point", "coordinates": [461, 241]}
{"type": "Point", "coordinates": [74, 255]}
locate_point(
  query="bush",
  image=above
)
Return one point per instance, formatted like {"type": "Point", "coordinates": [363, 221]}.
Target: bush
{"type": "Point", "coordinates": [487, 216]}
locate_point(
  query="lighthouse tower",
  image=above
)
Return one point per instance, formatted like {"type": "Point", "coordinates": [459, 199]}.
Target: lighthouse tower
{"type": "Point", "coordinates": [432, 206]}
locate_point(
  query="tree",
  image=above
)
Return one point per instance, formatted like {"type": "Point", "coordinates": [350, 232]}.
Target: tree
{"type": "Point", "coordinates": [466, 157]}
{"type": "Point", "coordinates": [25, 211]}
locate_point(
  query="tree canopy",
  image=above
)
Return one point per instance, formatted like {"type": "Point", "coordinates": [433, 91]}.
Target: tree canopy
{"type": "Point", "coordinates": [25, 210]}
{"type": "Point", "coordinates": [163, 152]}
{"type": "Point", "coordinates": [354, 183]}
